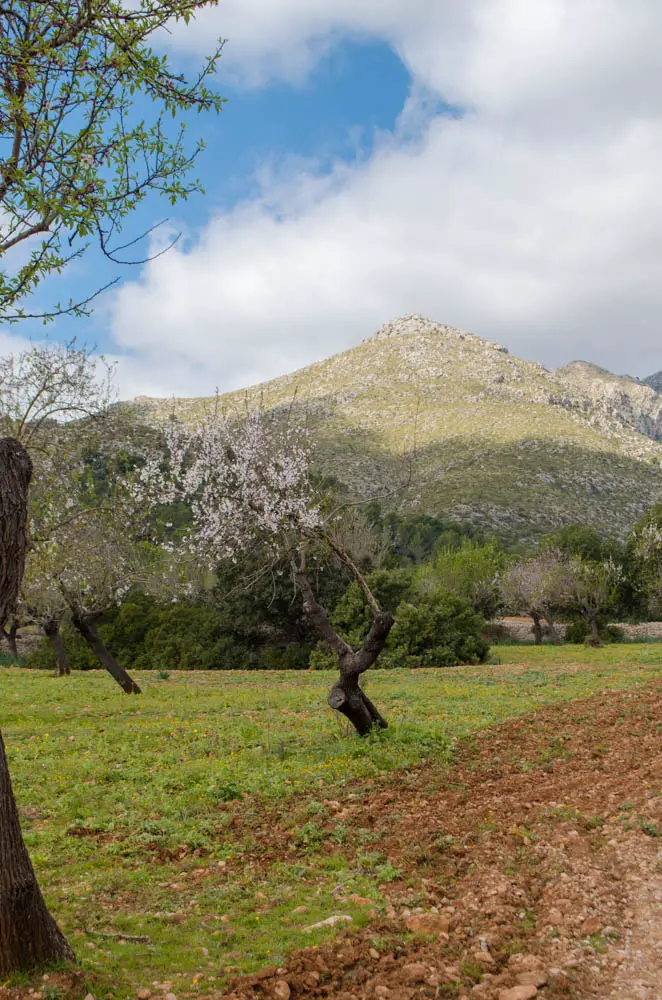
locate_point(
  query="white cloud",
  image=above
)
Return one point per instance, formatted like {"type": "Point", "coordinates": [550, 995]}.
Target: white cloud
{"type": "Point", "coordinates": [536, 219]}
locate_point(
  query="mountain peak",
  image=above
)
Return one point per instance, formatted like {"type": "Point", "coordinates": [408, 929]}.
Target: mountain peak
{"type": "Point", "coordinates": [415, 324]}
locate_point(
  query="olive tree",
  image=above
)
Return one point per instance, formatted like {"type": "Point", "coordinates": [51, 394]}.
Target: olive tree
{"type": "Point", "coordinates": [645, 557]}
{"type": "Point", "coordinates": [538, 586]}
{"type": "Point", "coordinates": [593, 591]}
{"type": "Point", "coordinates": [77, 152]}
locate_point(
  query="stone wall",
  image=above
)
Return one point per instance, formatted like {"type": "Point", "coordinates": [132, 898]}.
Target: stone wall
{"type": "Point", "coordinates": [519, 629]}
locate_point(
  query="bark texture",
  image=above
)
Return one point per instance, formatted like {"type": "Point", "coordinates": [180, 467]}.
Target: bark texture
{"type": "Point", "coordinates": [52, 632]}
{"type": "Point", "coordinates": [87, 628]}
{"type": "Point", "coordinates": [15, 476]}
{"type": "Point", "coordinates": [29, 936]}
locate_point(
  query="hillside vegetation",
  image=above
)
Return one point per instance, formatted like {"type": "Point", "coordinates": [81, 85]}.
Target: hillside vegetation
{"type": "Point", "coordinates": [497, 440]}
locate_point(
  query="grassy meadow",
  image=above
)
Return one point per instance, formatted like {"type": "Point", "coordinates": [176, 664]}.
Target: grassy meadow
{"type": "Point", "coordinates": [144, 815]}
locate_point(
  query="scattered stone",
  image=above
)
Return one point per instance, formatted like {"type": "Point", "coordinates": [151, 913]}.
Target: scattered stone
{"type": "Point", "coordinates": [144, 994]}
{"type": "Point", "coordinates": [518, 993]}
{"type": "Point", "coordinates": [282, 990]}
{"type": "Point", "coordinates": [537, 979]}
{"type": "Point", "coordinates": [427, 923]}
{"type": "Point", "coordinates": [374, 953]}
{"type": "Point", "coordinates": [338, 918]}
{"type": "Point", "coordinates": [592, 926]}
{"type": "Point", "coordinates": [415, 972]}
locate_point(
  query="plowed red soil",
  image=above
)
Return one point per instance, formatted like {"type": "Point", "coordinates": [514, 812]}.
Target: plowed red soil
{"type": "Point", "coordinates": [532, 868]}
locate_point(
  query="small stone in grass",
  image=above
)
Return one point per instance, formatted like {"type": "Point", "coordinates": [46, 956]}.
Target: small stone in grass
{"type": "Point", "coordinates": [338, 918]}
{"type": "Point", "coordinates": [519, 993]}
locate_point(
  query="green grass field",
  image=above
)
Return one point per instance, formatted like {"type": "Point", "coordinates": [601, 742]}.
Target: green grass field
{"type": "Point", "coordinates": [128, 803]}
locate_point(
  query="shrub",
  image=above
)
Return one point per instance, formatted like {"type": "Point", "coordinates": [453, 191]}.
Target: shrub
{"type": "Point", "coordinates": [441, 630]}
{"type": "Point", "coordinates": [322, 658]}
{"type": "Point", "coordinates": [577, 631]}
{"type": "Point", "coordinates": [353, 617]}
{"type": "Point", "coordinates": [294, 657]}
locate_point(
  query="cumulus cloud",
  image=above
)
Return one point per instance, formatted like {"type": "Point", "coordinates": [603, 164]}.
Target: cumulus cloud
{"type": "Point", "coordinates": [534, 219]}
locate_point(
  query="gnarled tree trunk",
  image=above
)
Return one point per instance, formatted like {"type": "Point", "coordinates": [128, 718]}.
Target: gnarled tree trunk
{"type": "Point", "coordinates": [51, 629]}
{"type": "Point", "coordinates": [85, 623]}
{"type": "Point", "coordinates": [346, 695]}
{"type": "Point", "coordinates": [593, 638]}
{"type": "Point", "coordinates": [536, 628]}
{"type": "Point", "coordinates": [29, 936]}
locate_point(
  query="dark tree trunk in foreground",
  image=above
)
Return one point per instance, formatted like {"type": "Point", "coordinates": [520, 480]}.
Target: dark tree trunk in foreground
{"type": "Point", "coordinates": [346, 695]}
{"type": "Point", "coordinates": [87, 628]}
{"type": "Point", "coordinates": [15, 476]}
{"type": "Point", "coordinates": [10, 636]}
{"type": "Point", "coordinates": [29, 936]}
{"type": "Point", "coordinates": [536, 628]}
{"type": "Point", "coordinates": [52, 631]}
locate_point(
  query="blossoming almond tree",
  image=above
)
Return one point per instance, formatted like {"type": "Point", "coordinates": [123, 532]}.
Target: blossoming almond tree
{"type": "Point", "coordinates": [248, 483]}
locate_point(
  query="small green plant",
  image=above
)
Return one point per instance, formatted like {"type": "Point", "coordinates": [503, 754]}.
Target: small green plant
{"type": "Point", "coordinates": [163, 675]}
{"type": "Point", "coordinates": [310, 836]}
{"type": "Point", "coordinates": [50, 991]}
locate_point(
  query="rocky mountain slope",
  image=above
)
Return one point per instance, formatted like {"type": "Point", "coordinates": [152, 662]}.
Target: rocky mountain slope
{"type": "Point", "coordinates": [489, 437]}
{"type": "Point", "coordinates": [654, 381]}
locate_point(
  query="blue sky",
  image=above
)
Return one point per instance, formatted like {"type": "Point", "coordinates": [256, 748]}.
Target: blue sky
{"type": "Point", "coordinates": [354, 94]}
{"type": "Point", "coordinates": [342, 190]}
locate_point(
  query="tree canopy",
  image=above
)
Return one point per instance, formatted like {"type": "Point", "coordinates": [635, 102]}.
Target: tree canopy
{"type": "Point", "coordinates": [78, 153]}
